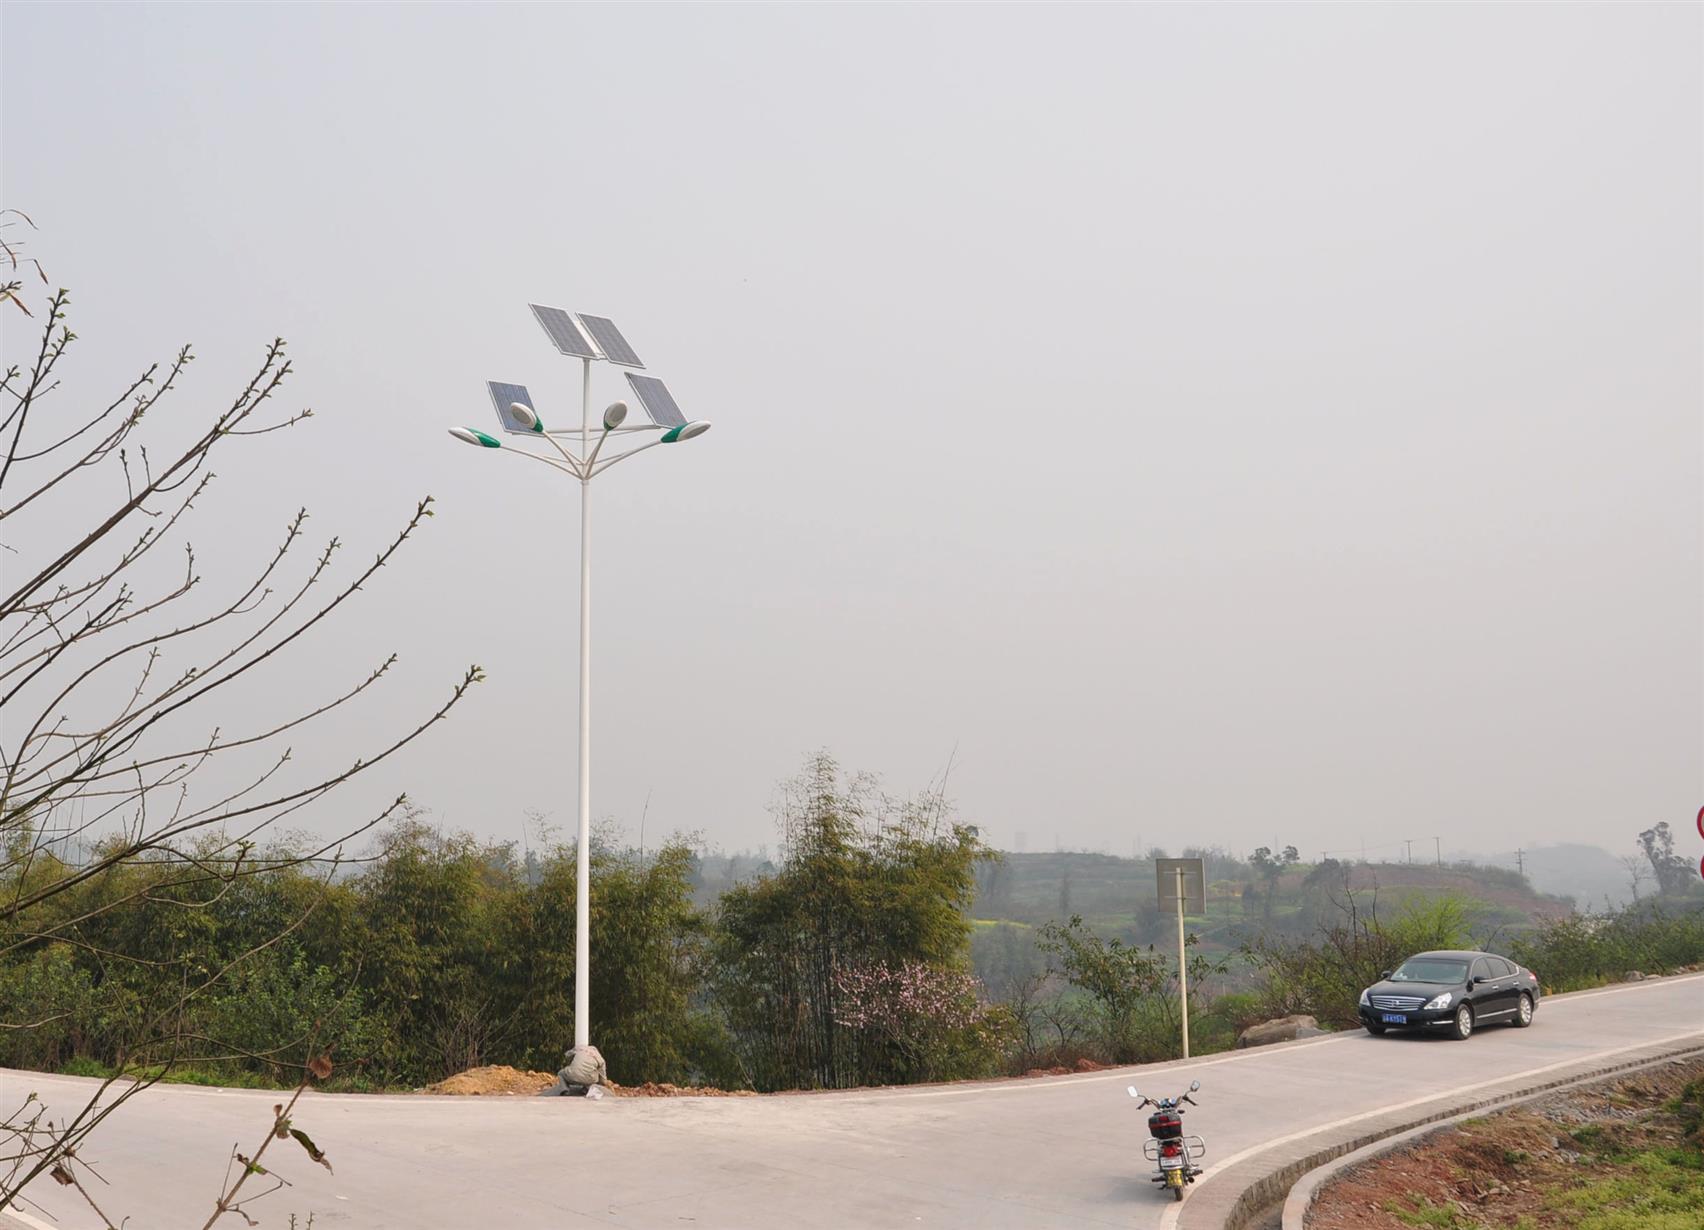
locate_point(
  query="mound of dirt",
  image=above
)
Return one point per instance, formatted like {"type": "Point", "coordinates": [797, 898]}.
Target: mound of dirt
{"type": "Point", "coordinates": [498, 1080]}
{"type": "Point", "coordinates": [652, 1089]}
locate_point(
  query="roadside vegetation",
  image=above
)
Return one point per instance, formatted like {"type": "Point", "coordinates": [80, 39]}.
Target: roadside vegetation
{"type": "Point", "coordinates": [1655, 936]}
{"type": "Point", "coordinates": [1624, 1154]}
{"type": "Point", "coordinates": [857, 955]}
{"type": "Point", "coordinates": [845, 964]}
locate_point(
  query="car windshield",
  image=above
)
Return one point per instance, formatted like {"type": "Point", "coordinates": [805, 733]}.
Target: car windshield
{"type": "Point", "coordinates": [1431, 969]}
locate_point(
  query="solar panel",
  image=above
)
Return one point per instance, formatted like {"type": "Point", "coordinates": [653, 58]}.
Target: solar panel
{"type": "Point", "coordinates": [654, 395]}
{"type": "Point", "coordinates": [565, 333]}
{"type": "Point", "coordinates": [606, 335]}
{"type": "Point", "coordinates": [502, 396]}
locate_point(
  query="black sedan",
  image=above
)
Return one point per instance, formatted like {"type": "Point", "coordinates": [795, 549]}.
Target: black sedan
{"type": "Point", "coordinates": [1452, 991]}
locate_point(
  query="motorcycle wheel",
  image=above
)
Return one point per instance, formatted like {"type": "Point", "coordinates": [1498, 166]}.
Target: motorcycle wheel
{"type": "Point", "coordinates": [1177, 1193]}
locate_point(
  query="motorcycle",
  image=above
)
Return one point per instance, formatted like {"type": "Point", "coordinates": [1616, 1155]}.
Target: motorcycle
{"type": "Point", "coordinates": [1168, 1146]}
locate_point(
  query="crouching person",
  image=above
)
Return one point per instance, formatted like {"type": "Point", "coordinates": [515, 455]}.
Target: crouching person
{"type": "Point", "coordinates": [582, 1075]}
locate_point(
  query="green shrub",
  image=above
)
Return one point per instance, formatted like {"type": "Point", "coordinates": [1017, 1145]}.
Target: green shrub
{"type": "Point", "coordinates": [1586, 950]}
{"type": "Point", "coordinates": [1132, 992]}
{"type": "Point", "coordinates": [1324, 978]}
{"type": "Point", "coordinates": [860, 885]}
{"type": "Point", "coordinates": [266, 1014]}
{"type": "Point", "coordinates": [50, 1002]}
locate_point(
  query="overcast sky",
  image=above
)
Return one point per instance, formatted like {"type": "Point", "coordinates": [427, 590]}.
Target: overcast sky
{"type": "Point", "coordinates": [1215, 424]}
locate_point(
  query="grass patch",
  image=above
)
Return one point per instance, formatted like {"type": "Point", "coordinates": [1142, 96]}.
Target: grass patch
{"type": "Point", "coordinates": [1425, 1213]}
{"type": "Point", "coordinates": [1651, 1189]}
{"type": "Point", "coordinates": [1591, 1138]}
{"type": "Point", "coordinates": [83, 1066]}
{"type": "Point", "coordinates": [193, 1074]}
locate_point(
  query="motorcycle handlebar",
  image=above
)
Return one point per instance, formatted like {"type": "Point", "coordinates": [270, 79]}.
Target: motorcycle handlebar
{"type": "Point", "coordinates": [1165, 1103]}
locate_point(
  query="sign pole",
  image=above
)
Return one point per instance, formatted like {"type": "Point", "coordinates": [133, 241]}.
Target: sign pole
{"type": "Point", "coordinates": [1182, 965]}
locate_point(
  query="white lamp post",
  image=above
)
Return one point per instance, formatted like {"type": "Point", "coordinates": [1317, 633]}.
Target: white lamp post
{"type": "Point", "coordinates": [586, 338]}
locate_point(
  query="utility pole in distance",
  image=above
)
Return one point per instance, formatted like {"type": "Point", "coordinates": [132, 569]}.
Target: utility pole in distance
{"type": "Point", "coordinates": [1439, 846]}
{"type": "Point", "coordinates": [1183, 882]}
{"type": "Point", "coordinates": [1409, 842]}
{"type": "Point", "coordinates": [1520, 862]}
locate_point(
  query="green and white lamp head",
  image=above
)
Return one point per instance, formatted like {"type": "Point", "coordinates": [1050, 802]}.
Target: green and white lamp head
{"type": "Point", "coordinates": [615, 414]}
{"type": "Point", "coordinates": [468, 435]}
{"type": "Point", "coordinates": [524, 416]}
{"type": "Point", "coordinates": [685, 431]}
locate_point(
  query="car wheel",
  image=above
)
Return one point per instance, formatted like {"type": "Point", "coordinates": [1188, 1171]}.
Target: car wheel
{"type": "Point", "coordinates": [1523, 1014]}
{"type": "Point", "coordinates": [1462, 1027]}
{"type": "Point", "coordinates": [1376, 1030]}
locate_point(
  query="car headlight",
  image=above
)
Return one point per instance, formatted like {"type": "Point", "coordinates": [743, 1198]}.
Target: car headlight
{"type": "Point", "coordinates": [1365, 1002]}
{"type": "Point", "coordinates": [1441, 1001]}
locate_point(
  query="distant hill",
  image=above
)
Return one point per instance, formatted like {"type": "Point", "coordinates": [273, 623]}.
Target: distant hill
{"type": "Point", "coordinates": [1116, 896]}
{"type": "Point", "coordinates": [1588, 874]}
{"type": "Point", "coordinates": [1121, 893]}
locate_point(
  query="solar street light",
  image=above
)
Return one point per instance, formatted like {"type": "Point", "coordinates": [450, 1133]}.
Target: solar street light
{"type": "Point", "coordinates": [587, 338]}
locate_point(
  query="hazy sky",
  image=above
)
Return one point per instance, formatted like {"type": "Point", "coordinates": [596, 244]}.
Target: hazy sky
{"type": "Point", "coordinates": [1216, 423]}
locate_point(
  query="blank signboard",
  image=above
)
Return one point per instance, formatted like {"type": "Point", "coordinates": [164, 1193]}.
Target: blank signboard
{"type": "Point", "coordinates": [1194, 883]}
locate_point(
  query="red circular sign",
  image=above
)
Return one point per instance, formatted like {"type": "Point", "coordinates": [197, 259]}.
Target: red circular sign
{"type": "Point", "coordinates": [1701, 821]}
{"type": "Point", "coordinates": [1701, 867]}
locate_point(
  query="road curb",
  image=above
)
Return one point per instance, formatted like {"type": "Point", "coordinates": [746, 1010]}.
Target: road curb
{"type": "Point", "coordinates": [1263, 1184]}
{"type": "Point", "coordinates": [1306, 1190]}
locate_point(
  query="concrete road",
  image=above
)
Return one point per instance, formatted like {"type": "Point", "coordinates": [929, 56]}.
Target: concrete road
{"type": "Point", "coordinates": [1062, 1151]}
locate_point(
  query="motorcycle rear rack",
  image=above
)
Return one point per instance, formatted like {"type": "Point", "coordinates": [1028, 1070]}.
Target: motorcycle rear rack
{"type": "Point", "coordinates": [1194, 1148]}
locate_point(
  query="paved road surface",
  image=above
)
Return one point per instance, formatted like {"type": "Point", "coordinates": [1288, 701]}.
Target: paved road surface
{"type": "Point", "coordinates": [1062, 1151]}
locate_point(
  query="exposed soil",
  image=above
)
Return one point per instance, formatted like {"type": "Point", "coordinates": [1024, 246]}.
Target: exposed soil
{"type": "Point", "coordinates": [500, 1080]}
{"type": "Point", "coordinates": [1083, 1065]}
{"type": "Point", "coordinates": [1569, 1160]}
{"type": "Point", "coordinates": [651, 1089]}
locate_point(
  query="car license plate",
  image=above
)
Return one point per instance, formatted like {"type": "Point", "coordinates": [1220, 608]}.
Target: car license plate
{"type": "Point", "coordinates": [1395, 1018]}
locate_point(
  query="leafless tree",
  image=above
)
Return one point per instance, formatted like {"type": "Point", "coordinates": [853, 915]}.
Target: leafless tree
{"type": "Point", "coordinates": [1638, 871]}
{"type": "Point", "coordinates": [118, 676]}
